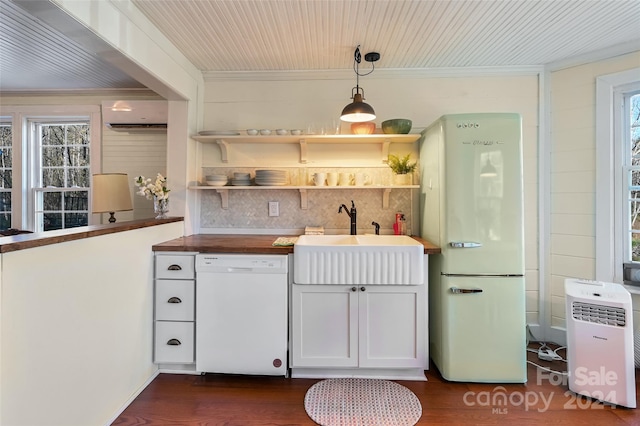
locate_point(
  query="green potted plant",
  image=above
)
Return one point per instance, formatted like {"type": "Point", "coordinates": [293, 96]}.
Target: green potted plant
{"type": "Point", "coordinates": [402, 168]}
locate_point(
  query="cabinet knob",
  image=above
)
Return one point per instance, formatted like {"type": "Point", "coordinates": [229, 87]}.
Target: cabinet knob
{"type": "Point", "coordinates": [174, 268]}
{"type": "Point", "coordinates": [354, 289]}
{"type": "Point", "coordinates": [363, 288]}
{"type": "Point", "coordinates": [174, 342]}
{"type": "Point", "coordinates": [174, 300]}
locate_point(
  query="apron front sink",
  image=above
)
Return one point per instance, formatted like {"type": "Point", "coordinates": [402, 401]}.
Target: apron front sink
{"type": "Point", "coordinates": [358, 259]}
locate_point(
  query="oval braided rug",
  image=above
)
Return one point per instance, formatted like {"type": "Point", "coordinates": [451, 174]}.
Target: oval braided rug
{"type": "Point", "coordinates": [361, 402]}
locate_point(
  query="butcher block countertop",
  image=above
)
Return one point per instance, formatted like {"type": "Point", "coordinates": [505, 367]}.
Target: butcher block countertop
{"type": "Point", "coordinates": [235, 243]}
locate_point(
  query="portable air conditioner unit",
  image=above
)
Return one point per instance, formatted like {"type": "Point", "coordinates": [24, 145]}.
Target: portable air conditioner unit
{"type": "Point", "coordinates": [600, 341]}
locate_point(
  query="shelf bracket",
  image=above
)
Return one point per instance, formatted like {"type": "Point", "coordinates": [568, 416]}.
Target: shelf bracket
{"type": "Point", "coordinates": [224, 197]}
{"type": "Point", "coordinates": [385, 198]}
{"type": "Point", "coordinates": [304, 205]}
{"type": "Point", "coordinates": [224, 149]}
{"type": "Point", "coordinates": [303, 151]}
{"type": "Point", "coordinates": [385, 150]}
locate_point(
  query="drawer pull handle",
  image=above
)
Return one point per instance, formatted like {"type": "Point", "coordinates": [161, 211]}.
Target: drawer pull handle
{"type": "Point", "coordinates": [174, 268]}
{"type": "Point", "coordinates": [174, 342]}
{"type": "Point", "coordinates": [174, 300]}
{"type": "Point", "coordinates": [363, 288]}
{"type": "Point", "coordinates": [354, 289]}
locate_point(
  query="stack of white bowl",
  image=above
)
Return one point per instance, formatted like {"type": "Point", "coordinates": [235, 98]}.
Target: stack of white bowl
{"type": "Point", "coordinates": [216, 180]}
{"type": "Point", "coordinates": [271, 177]}
{"type": "Point", "coordinates": [241, 179]}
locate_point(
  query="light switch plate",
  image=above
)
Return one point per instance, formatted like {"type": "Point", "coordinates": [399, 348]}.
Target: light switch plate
{"type": "Point", "coordinates": [274, 208]}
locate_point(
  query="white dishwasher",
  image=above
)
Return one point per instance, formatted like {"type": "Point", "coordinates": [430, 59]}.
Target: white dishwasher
{"type": "Point", "coordinates": [241, 314]}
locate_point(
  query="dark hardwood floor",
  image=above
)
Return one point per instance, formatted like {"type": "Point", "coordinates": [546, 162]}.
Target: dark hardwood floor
{"type": "Point", "coordinates": [229, 400]}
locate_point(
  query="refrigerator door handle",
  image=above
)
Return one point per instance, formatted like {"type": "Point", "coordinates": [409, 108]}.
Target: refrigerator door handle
{"type": "Point", "coordinates": [464, 244]}
{"type": "Point", "coordinates": [456, 290]}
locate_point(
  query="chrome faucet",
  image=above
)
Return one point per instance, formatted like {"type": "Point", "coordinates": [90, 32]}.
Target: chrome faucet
{"type": "Point", "coordinates": [352, 215]}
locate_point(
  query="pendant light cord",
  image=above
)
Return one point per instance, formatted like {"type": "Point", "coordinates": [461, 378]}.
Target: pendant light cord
{"type": "Point", "coordinates": [357, 58]}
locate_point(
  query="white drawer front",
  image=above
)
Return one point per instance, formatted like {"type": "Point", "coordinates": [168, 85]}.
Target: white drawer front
{"type": "Point", "coordinates": [175, 300]}
{"type": "Point", "coordinates": [175, 266]}
{"type": "Point", "coordinates": [174, 342]}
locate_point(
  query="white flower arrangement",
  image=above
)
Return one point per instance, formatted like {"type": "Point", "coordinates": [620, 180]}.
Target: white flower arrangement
{"type": "Point", "coordinates": [158, 189]}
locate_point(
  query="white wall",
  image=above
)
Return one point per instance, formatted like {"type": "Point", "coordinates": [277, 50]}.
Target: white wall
{"type": "Point", "coordinates": [77, 321]}
{"type": "Point", "coordinates": [135, 154]}
{"type": "Point", "coordinates": [572, 148]}
{"type": "Point", "coordinates": [263, 100]}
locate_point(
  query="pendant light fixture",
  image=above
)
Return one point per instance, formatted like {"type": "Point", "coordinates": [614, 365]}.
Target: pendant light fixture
{"type": "Point", "coordinates": [488, 170]}
{"type": "Point", "coordinates": [359, 111]}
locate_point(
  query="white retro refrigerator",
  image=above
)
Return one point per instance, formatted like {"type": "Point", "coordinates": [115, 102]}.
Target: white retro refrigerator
{"type": "Point", "coordinates": [471, 206]}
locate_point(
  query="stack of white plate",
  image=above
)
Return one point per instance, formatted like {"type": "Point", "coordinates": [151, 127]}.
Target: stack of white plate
{"type": "Point", "coordinates": [271, 177]}
{"type": "Point", "coordinates": [216, 180]}
{"type": "Point", "coordinates": [241, 179]}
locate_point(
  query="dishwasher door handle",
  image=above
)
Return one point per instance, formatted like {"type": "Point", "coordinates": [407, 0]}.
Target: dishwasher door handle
{"type": "Point", "coordinates": [236, 269]}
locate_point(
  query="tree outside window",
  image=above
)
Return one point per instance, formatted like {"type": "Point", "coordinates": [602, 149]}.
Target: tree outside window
{"type": "Point", "coordinates": [6, 170]}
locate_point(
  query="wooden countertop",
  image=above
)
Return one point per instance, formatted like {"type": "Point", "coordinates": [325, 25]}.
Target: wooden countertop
{"type": "Point", "coordinates": [38, 239]}
{"type": "Point", "coordinates": [238, 243]}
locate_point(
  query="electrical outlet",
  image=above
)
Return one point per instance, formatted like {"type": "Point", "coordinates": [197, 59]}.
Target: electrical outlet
{"type": "Point", "coordinates": [274, 208]}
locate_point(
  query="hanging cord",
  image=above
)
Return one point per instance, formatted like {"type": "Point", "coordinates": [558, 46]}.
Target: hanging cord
{"type": "Point", "coordinates": [357, 58]}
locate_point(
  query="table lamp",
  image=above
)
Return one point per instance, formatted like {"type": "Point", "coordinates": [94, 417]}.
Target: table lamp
{"type": "Point", "coordinates": [111, 194]}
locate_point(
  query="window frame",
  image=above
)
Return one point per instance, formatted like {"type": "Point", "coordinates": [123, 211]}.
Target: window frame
{"type": "Point", "coordinates": [35, 160]}
{"type": "Point", "coordinates": [611, 187]}
{"type": "Point", "coordinates": [23, 192]}
{"type": "Point", "coordinates": [624, 212]}
{"type": "Point", "coordinates": [6, 121]}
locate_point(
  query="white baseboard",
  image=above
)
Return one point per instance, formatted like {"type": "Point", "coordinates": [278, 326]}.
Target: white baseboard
{"type": "Point", "coordinates": [558, 335]}
{"type": "Point", "coordinates": [132, 397]}
{"type": "Point", "coordinates": [414, 374]}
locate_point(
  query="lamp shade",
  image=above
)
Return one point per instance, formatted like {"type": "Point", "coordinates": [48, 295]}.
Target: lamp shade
{"type": "Point", "coordinates": [111, 193]}
{"type": "Point", "coordinates": [358, 111]}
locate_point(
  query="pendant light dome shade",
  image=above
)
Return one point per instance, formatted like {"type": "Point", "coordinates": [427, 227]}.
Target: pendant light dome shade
{"type": "Point", "coordinates": [488, 170]}
{"type": "Point", "coordinates": [358, 111]}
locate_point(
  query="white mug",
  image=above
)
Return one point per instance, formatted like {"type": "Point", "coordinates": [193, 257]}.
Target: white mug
{"type": "Point", "coordinates": [319, 179]}
{"type": "Point", "coordinates": [332, 179]}
{"type": "Point", "coordinates": [345, 179]}
{"type": "Point", "coordinates": [362, 179]}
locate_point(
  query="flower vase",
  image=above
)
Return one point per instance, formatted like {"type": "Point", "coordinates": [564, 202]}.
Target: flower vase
{"type": "Point", "coordinates": [161, 207]}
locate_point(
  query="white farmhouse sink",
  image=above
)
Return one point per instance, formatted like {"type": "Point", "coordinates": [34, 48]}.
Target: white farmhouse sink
{"type": "Point", "coordinates": [358, 259]}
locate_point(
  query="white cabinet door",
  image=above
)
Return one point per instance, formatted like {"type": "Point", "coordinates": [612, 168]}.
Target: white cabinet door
{"type": "Point", "coordinates": [392, 327]}
{"type": "Point", "coordinates": [324, 326]}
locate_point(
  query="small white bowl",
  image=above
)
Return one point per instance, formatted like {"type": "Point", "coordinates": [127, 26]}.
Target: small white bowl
{"type": "Point", "coordinates": [252, 132]}
{"type": "Point", "coordinates": [216, 183]}
{"type": "Point", "coordinates": [296, 132]}
{"type": "Point", "coordinates": [216, 177]}
{"type": "Point", "coordinates": [281, 131]}
{"type": "Point", "coordinates": [265, 132]}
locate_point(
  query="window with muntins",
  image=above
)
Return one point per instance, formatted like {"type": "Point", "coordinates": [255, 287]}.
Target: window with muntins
{"type": "Point", "coordinates": [631, 172]}
{"type": "Point", "coordinates": [63, 174]}
{"type": "Point", "coordinates": [6, 170]}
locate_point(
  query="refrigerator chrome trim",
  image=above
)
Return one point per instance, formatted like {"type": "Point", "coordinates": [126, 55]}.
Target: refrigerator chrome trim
{"type": "Point", "coordinates": [482, 275]}
{"type": "Point", "coordinates": [465, 244]}
{"type": "Point", "coordinates": [456, 290]}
